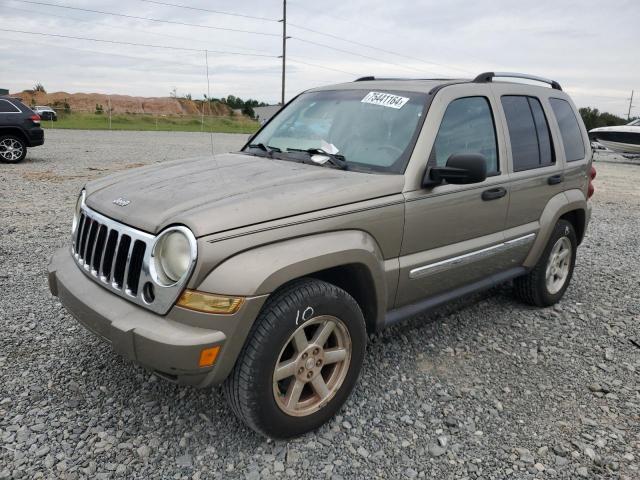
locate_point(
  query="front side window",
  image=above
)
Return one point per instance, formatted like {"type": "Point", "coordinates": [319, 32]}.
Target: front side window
{"type": "Point", "coordinates": [531, 145]}
{"type": "Point", "coordinates": [371, 130]}
{"type": "Point", "coordinates": [569, 129]}
{"type": "Point", "coordinates": [467, 127]}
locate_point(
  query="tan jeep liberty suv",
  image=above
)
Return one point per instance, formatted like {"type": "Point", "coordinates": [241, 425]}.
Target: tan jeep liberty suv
{"type": "Point", "coordinates": [355, 207]}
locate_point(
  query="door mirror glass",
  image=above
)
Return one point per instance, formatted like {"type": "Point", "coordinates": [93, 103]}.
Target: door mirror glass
{"type": "Point", "coordinates": [461, 168]}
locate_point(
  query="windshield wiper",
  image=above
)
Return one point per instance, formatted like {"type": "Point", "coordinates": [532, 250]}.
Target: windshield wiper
{"type": "Point", "coordinates": [338, 161]}
{"type": "Point", "coordinates": [266, 148]}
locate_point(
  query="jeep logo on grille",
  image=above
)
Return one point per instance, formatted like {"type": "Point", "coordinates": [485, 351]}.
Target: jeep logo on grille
{"type": "Point", "coordinates": [121, 202]}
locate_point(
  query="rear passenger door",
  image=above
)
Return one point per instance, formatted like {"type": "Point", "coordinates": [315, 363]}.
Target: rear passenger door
{"type": "Point", "coordinates": [535, 169]}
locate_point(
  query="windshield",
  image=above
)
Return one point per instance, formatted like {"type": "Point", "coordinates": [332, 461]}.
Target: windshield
{"type": "Point", "coordinates": [373, 130]}
{"type": "Point", "coordinates": [635, 123]}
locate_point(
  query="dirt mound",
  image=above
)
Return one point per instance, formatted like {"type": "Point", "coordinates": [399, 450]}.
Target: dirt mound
{"type": "Point", "coordinates": [86, 102]}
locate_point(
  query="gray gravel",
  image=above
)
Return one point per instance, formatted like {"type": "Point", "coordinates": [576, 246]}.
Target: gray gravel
{"type": "Point", "coordinates": [488, 389]}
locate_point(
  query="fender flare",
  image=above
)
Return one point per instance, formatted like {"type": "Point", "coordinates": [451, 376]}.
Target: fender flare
{"type": "Point", "coordinates": [556, 207]}
{"type": "Point", "coordinates": [263, 269]}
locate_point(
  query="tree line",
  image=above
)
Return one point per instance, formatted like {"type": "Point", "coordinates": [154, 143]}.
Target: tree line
{"type": "Point", "coordinates": [594, 118]}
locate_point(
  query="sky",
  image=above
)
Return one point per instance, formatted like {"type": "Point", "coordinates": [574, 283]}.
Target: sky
{"type": "Point", "coordinates": [589, 46]}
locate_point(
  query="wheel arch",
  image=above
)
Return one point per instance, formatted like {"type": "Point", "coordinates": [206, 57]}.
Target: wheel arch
{"type": "Point", "coordinates": [350, 259]}
{"type": "Point", "coordinates": [570, 205]}
{"type": "Point", "coordinates": [577, 218]}
{"type": "Point", "coordinates": [14, 131]}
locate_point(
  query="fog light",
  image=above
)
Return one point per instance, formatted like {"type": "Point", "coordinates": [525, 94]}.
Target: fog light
{"type": "Point", "coordinates": [208, 356]}
{"type": "Point", "coordinates": [209, 303]}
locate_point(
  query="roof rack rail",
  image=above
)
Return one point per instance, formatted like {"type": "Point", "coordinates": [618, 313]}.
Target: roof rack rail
{"type": "Point", "coordinates": [371, 77]}
{"type": "Point", "coordinates": [489, 76]}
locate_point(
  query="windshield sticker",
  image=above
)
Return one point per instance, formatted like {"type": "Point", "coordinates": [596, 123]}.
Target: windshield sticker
{"type": "Point", "coordinates": [385, 100]}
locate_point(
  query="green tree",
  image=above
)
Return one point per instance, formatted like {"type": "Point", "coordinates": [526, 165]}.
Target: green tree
{"type": "Point", "coordinates": [248, 111]}
{"type": "Point", "coordinates": [593, 118]}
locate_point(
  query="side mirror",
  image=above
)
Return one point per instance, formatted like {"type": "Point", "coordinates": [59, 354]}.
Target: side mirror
{"type": "Point", "coordinates": [461, 168]}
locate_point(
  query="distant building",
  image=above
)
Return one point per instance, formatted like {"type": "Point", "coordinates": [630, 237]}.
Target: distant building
{"type": "Point", "coordinates": [263, 114]}
{"type": "Point", "coordinates": [4, 91]}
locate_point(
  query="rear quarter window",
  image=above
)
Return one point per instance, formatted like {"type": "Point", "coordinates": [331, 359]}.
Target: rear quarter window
{"type": "Point", "coordinates": [569, 129]}
{"type": "Point", "coordinates": [7, 107]}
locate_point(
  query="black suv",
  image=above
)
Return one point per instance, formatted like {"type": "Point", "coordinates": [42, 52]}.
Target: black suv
{"type": "Point", "coordinates": [19, 129]}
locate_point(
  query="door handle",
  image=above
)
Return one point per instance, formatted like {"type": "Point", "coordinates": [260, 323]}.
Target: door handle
{"type": "Point", "coordinates": [494, 193]}
{"type": "Point", "coordinates": [555, 179]}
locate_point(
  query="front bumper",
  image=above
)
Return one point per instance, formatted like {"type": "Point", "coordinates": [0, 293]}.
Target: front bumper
{"type": "Point", "coordinates": [169, 345]}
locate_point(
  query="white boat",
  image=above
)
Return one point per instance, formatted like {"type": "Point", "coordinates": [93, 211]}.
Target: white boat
{"type": "Point", "coordinates": [621, 139]}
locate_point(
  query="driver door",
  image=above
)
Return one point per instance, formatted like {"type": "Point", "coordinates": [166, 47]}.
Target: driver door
{"type": "Point", "coordinates": [453, 234]}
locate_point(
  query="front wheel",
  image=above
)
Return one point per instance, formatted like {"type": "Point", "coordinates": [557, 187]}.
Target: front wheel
{"type": "Point", "coordinates": [546, 283]}
{"type": "Point", "coordinates": [300, 362]}
{"type": "Point", "coordinates": [12, 149]}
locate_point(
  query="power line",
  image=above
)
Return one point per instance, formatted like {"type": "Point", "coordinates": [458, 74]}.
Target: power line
{"type": "Point", "coordinates": [135, 17]}
{"type": "Point", "coordinates": [110, 54]}
{"type": "Point", "coordinates": [390, 52]}
{"type": "Point", "coordinates": [375, 59]}
{"type": "Point", "coordinates": [295, 60]}
{"type": "Point", "coordinates": [199, 50]}
{"type": "Point", "coordinates": [84, 20]}
{"type": "Point", "coordinates": [219, 12]}
{"type": "Point", "coordinates": [148, 45]}
{"type": "Point", "coordinates": [317, 32]}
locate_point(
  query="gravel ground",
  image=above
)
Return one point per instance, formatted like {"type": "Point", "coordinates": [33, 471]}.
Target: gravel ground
{"type": "Point", "coordinates": [489, 389]}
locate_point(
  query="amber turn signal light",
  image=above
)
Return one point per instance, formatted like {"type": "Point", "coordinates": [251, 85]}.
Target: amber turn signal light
{"type": "Point", "coordinates": [208, 356]}
{"type": "Point", "coordinates": [209, 303]}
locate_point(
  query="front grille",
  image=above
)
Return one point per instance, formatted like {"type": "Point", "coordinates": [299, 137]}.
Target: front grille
{"type": "Point", "coordinates": [109, 254]}
{"type": "Point", "coordinates": [118, 257]}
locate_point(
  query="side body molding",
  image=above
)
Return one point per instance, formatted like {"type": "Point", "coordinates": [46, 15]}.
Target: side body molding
{"type": "Point", "coordinates": [262, 270]}
{"type": "Point", "coordinates": [556, 207]}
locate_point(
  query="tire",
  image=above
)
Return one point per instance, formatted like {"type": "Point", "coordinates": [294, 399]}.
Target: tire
{"type": "Point", "coordinates": [542, 287]}
{"type": "Point", "coordinates": [268, 404]}
{"type": "Point", "coordinates": [13, 149]}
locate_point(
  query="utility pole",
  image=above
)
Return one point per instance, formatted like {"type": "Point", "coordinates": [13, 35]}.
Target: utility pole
{"type": "Point", "coordinates": [630, 106]}
{"type": "Point", "coordinates": [284, 45]}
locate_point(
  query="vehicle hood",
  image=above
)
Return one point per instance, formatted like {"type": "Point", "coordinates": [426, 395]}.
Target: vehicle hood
{"type": "Point", "coordinates": [215, 194]}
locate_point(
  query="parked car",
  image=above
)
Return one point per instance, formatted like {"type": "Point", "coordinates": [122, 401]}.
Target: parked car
{"type": "Point", "coordinates": [355, 207]}
{"type": "Point", "coordinates": [46, 113]}
{"type": "Point", "coordinates": [19, 130]}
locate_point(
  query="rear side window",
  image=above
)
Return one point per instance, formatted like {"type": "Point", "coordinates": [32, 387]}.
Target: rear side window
{"type": "Point", "coordinates": [569, 129]}
{"type": "Point", "coordinates": [531, 145]}
{"type": "Point", "coordinates": [467, 127]}
{"type": "Point", "coordinates": [7, 107]}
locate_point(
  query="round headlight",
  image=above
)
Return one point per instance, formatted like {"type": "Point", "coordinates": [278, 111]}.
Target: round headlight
{"type": "Point", "coordinates": [76, 212]}
{"type": "Point", "coordinates": [173, 254]}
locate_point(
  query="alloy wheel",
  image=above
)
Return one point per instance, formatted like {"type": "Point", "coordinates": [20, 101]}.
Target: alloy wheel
{"type": "Point", "coordinates": [558, 265]}
{"type": "Point", "coordinates": [11, 149]}
{"type": "Point", "coordinates": [312, 366]}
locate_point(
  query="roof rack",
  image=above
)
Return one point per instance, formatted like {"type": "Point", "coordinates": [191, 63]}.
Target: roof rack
{"type": "Point", "coordinates": [371, 78]}
{"type": "Point", "coordinates": [489, 76]}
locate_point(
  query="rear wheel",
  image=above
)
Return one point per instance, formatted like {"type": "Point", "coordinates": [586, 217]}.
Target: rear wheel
{"type": "Point", "coordinates": [13, 149]}
{"type": "Point", "coordinates": [301, 360]}
{"type": "Point", "coordinates": [546, 283]}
